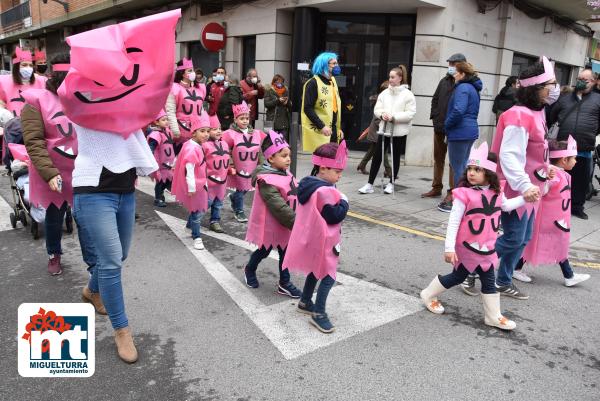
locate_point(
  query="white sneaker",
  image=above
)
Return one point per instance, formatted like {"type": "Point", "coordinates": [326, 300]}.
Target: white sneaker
{"type": "Point", "coordinates": [366, 189]}
{"type": "Point", "coordinates": [521, 276]}
{"type": "Point", "coordinates": [198, 244]}
{"type": "Point", "coordinates": [576, 279]}
{"type": "Point", "coordinates": [389, 188]}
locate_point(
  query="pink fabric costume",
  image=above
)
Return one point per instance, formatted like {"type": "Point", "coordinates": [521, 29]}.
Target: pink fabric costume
{"type": "Point", "coordinates": [191, 152]}
{"type": "Point", "coordinates": [478, 230]}
{"type": "Point", "coordinates": [61, 143]}
{"type": "Point", "coordinates": [120, 74]}
{"type": "Point", "coordinates": [19, 152]}
{"type": "Point", "coordinates": [163, 153]}
{"type": "Point", "coordinates": [245, 149]}
{"type": "Point", "coordinates": [189, 103]}
{"type": "Point", "coordinates": [10, 92]}
{"type": "Point", "coordinates": [217, 165]}
{"type": "Point", "coordinates": [534, 122]}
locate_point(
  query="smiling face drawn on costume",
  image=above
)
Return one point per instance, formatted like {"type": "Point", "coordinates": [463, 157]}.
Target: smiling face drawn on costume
{"type": "Point", "coordinates": [64, 146]}
{"type": "Point", "coordinates": [247, 151]}
{"type": "Point", "coordinates": [191, 100]}
{"type": "Point", "coordinates": [19, 99]}
{"type": "Point", "coordinates": [488, 210]}
{"type": "Point", "coordinates": [565, 194]}
{"type": "Point", "coordinates": [220, 162]}
{"type": "Point", "coordinates": [292, 195]}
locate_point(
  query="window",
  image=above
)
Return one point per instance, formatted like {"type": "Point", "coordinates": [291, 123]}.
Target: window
{"type": "Point", "coordinates": [563, 73]}
{"type": "Point", "coordinates": [520, 62]}
{"type": "Point", "coordinates": [249, 56]}
{"type": "Point", "coordinates": [203, 59]}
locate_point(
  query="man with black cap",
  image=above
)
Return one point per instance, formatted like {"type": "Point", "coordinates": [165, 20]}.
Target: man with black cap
{"type": "Point", "coordinates": [439, 107]}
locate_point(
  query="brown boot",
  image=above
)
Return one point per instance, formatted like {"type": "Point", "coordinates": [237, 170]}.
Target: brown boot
{"type": "Point", "coordinates": [434, 193]}
{"type": "Point", "coordinates": [125, 346]}
{"type": "Point", "coordinates": [94, 299]}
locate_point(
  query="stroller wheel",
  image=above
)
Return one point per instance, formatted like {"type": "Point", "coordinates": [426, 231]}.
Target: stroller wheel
{"type": "Point", "coordinates": [69, 223]}
{"type": "Point", "coordinates": [35, 229]}
{"type": "Point", "coordinates": [13, 220]}
{"type": "Point", "coordinates": [23, 218]}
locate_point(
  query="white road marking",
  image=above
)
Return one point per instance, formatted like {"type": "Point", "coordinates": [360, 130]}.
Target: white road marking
{"type": "Point", "coordinates": [355, 306]}
{"type": "Point", "coordinates": [5, 211]}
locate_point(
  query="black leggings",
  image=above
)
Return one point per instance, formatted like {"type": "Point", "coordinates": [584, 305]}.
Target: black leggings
{"type": "Point", "coordinates": [458, 275]}
{"type": "Point", "coordinates": [376, 163]}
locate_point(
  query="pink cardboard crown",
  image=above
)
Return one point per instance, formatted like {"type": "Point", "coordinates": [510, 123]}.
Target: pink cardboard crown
{"type": "Point", "coordinates": [61, 67]}
{"type": "Point", "coordinates": [479, 158]}
{"type": "Point", "coordinates": [278, 143]}
{"type": "Point", "coordinates": [187, 63]}
{"type": "Point", "coordinates": [547, 75]}
{"type": "Point", "coordinates": [202, 122]}
{"type": "Point", "coordinates": [214, 121]}
{"type": "Point", "coordinates": [341, 157]}
{"type": "Point", "coordinates": [160, 114]}
{"type": "Point", "coordinates": [39, 55]}
{"type": "Point", "coordinates": [570, 151]}
{"type": "Point", "coordinates": [21, 55]}
{"type": "Point", "coordinates": [239, 109]}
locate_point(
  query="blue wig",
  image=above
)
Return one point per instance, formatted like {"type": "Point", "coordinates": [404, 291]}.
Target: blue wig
{"type": "Point", "coordinates": [321, 63]}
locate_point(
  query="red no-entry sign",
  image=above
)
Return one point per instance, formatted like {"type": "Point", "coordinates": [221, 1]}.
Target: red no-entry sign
{"type": "Point", "coordinates": [213, 37]}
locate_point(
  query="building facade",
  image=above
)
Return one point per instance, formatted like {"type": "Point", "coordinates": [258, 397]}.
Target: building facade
{"type": "Point", "coordinates": [282, 36]}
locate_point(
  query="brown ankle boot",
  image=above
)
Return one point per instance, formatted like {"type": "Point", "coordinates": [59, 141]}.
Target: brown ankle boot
{"type": "Point", "coordinates": [94, 299]}
{"type": "Point", "coordinates": [125, 346]}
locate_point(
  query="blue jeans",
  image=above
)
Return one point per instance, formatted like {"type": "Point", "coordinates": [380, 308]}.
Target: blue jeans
{"type": "Point", "coordinates": [262, 253]}
{"type": "Point", "coordinates": [309, 288]}
{"type": "Point", "coordinates": [458, 275]}
{"type": "Point", "coordinates": [159, 189]}
{"type": "Point", "coordinates": [215, 206]}
{"type": "Point", "coordinates": [53, 224]}
{"type": "Point", "coordinates": [510, 245]}
{"type": "Point", "coordinates": [458, 153]}
{"type": "Point", "coordinates": [193, 222]}
{"type": "Point", "coordinates": [105, 222]}
{"type": "Point", "coordinates": [237, 200]}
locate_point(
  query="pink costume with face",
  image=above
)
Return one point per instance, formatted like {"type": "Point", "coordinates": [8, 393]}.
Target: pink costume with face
{"type": "Point", "coordinates": [121, 74]}
{"type": "Point", "coordinates": [11, 93]}
{"type": "Point", "coordinates": [188, 101]}
{"type": "Point", "coordinates": [163, 153]}
{"type": "Point", "coordinates": [191, 152]}
{"type": "Point", "coordinates": [217, 164]}
{"type": "Point", "coordinates": [61, 143]}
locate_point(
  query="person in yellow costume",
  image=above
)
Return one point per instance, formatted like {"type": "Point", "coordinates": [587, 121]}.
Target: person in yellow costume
{"type": "Point", "coordinates": [321, 104]}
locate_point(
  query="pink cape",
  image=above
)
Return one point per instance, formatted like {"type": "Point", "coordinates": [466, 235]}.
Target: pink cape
{"type": "Point", "coordinates": [552, 225]}
{"type": "Point", "coordinates": [217, 164]}
{"type": "Point", "coordinates": [19, 152]}
{"type": "Point", "coordinates": [189, 105]}
{"type": "Point", "coordinates": [245, 149]}
{"type": "Point", "coordinates": [61, 143]}
{"type": "Point", "coordinates": [120, 75]}
{"type": "Point", "coordinates": [478, 230]}
{"type": "Point", "coordinates": [11, 93]}
{"type": "Point", "coordinates": [164, 155]}
{"type": "Point", "coordinates": [314, 245]}
{"type": "Point", "coordinates": [534, 123]}
{"type": "Point", "coordinates": [191, 152]}
{"type": "Point", "coordinates": [263, 228]}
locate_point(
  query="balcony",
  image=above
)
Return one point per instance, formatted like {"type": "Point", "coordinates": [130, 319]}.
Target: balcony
{"type": "Point", "coordinates": [14, 18]}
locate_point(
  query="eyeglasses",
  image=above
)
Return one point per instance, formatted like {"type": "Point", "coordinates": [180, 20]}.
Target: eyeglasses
{"type": "Point", "coordinates": [552, 84]}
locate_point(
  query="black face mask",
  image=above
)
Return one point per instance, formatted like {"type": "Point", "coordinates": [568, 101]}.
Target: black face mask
{"type": "Point", "coordinates": [41, 68]}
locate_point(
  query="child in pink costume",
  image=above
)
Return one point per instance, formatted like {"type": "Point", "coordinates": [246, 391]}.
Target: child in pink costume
{"type": "Point", "coordinates": [244, 143]}
{"type": "Point", "coordinates": [314, 245]}
{"type": "Point", "coordinates": [272, 216]}
{"type": "Point", "coordinates": [217, 166]}
{"type": "Point", "coordinates": [22, 78]}
{"type": "Point", "coordinates": [160, 141]}
{"type": "Point", "coordinates": [190, 185]}
{"type": "Point", "coordinates": [471, 236]}
{"type": "Point", "coordinates": [551, 234]}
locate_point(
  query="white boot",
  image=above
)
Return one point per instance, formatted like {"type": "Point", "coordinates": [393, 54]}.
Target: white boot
{"type": "Point", "coordinates": [429, 296]}
{"type": "Point", "coordinates": [493, 317]}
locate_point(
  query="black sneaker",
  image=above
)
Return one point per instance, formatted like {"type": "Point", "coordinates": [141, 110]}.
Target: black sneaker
{"type": "Point", "coordinates": [511, 290]}
{"type": "Point", "coordinates": [468, 286]}
{"type": "Point", "coordinates": [251, 280]}
{"type": "Point", "coordinates": [445, 206]}
{"type": "Point", "coordinates": [160, 203]}
{"type": "Point", "coordinates": [241, 217]}
{"type": "Point", "coordinates": [582, 215]}
{"type": "Point", "coordinates": [289, 289]}
{"type": "Point", "coordinates": [322, 323]}
{"type": "Point", "coordinates": [306, 308]}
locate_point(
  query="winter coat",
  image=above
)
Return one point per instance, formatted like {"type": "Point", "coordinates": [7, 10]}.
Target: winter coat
{"type": "Point", "coordinates": [504, 100]}
{"type": "Point", "coordinates": [400, 102]}
{"type": "Point", "coordinates": [277, 206]}
{"type": "Point", "coordinates": [252, 100]}
{"type": "Point", "coordinates": [463, 109]}
{"type": "Point", "coordinates": [439, 103]}
{"type": "Point", "coordinates": [583, 122]}
{"type": "Point", "coordinates": [276, 111]}
{"type": "Point", "coordinates": [35, 138]}
{"type": "Point", "coordinates": [232, 95]}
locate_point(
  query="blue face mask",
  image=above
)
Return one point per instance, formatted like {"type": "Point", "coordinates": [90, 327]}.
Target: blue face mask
{"type": "Point", "coordinates": [451, 70]}
{"type": "Point", "coordinates": [279, 85]}
{"type": "Point", "coordinates": [337, 70]}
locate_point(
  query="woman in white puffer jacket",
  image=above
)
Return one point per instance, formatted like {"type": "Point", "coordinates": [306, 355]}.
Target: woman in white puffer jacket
{"type": "Point", "coordinates": [396, 107]}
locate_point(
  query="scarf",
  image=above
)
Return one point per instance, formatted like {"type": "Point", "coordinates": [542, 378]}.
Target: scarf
{"type": "Point", "coordinates": [280, 92]}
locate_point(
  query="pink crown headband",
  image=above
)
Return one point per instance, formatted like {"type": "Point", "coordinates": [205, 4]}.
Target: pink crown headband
{"type": "Point", "coordinates": [242, 108]}
{"type": "Point", "coordinates": [571, 150]}
{"type": "Point", "coordinates": [341, 157]}
{"type": "Point", "coordinates": [160, 115]}
{"type": "Point", "coordinates": [21, 55]}
{"type": "Point", "coordinates": [200, 122]}
{"type": "Point", "coordinates": [187, 63]}
{"type": "Point", "coordinates": [547, 75]}
{"type": "Point", "coordinates": [479, 158]}
{"type": "Point", "coordinates": [61, 67]}
{"type": "Point", "coordinates": [39, 55]}
{"type": "Point", "coordinates": [214, 121]}
{"type": "Point", "coordinates": [278, 143]}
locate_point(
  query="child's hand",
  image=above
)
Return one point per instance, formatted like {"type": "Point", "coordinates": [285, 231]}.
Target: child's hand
{"type": "Point", "coordinates": [450, 257]}
{"type": "Point", "coordinates": [551, 172]}
{"type": "Point", "coordinates": [190, 194]}
{"type": "Point", "coordinates": [232, 171]}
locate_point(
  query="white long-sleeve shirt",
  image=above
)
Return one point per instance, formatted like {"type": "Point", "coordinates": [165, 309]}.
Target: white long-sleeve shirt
{"type": "Point", "coordinates": [513, 157]}
{"type": "Point", "coordinates": [190, 177]}
{"type": "Point", "coordinates": [458, 211]}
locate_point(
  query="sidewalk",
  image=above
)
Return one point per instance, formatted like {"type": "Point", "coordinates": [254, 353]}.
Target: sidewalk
{"type": "Point", "coordinates": [406, 208]}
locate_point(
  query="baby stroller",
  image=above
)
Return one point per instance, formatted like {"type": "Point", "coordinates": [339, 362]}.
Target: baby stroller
{"type": "Point", "coordinates": [593, 191]}
{"type": "Point", "coordinates": [18, 163]}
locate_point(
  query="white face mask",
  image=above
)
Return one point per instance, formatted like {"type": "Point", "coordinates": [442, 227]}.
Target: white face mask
{"type": "Point", "coordinates": [26, 72]}
{"type": "Point", "coordinates": [219, 78]}
{"type": "Point", "coordinates": [191, 76]}
{"type": "Point", "coordinates": [254, 80]}
{"type": "Point", "coordinates": [553, 95]}
{"type": "Point", "coordinates": [226, 84]}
